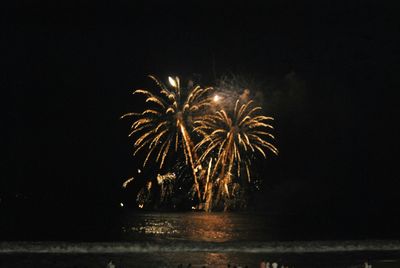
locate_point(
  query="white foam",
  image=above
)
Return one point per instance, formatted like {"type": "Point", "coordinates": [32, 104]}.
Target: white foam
{"type": "Point", "coordinates": [151, 247]}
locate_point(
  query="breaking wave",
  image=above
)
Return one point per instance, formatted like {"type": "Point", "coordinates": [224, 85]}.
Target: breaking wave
{"type": "Point", "coordinates": [243, 247]}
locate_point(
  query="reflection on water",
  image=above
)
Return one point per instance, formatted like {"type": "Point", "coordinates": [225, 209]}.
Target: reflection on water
{"type": "Point", "coordinates": [219, 239]}
{"type": "Point", "coordinates": [202, 240]}
{"type": "Point", "coordinates": [209, 227]}
{"type": "Point", "coordinates": [214, 259]}
{"type": "Point", "coordinates": [155, 228]}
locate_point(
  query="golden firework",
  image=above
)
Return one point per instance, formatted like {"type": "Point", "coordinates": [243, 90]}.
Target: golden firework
{"type": "Point", "coordinates": [234, 138]}
{"type": "Point", "coordinates": [165, 124]}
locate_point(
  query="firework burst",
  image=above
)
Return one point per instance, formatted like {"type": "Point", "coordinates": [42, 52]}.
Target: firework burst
{"type": "Point", "coordinates": [164, 126]}
{"type": "Point", "coordinates": [233, 138]}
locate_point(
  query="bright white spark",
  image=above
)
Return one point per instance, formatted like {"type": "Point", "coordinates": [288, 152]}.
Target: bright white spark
{"type": "Point", "coordinates": [216, 98]}
{"type": "Point", "coordinates": [172, 81]}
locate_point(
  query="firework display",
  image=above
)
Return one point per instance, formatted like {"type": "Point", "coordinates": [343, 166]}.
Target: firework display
{"type": "Point", "coordinates": [165, 126]}
{"type": "Point", "coordinates": [222, 138]}
{"type": "Point", "coordinates": [233, 137]}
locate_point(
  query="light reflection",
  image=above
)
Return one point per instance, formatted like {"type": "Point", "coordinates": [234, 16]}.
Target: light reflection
{"type": "Point", "coordinates": [216, 259]}
{"type": "Point", "coordinates": [211, 227]}
{"type": "Point", "coordinates": [156, 228]}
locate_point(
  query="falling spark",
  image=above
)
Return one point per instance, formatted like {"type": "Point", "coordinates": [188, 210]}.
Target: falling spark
{"type": "Point", "coordinates": [216, 98]}
{"type": "Point", "coordinates": [127, 182]}
{"type": "Point", "coordinates": [166, 177]}
{"type": "Point", "coordinates": [121, 204]}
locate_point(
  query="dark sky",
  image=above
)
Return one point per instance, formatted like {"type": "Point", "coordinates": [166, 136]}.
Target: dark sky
{"type": "Point", "coordinates": [327, 72]}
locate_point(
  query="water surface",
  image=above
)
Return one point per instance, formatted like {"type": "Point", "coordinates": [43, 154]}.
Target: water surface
{"type": "Point", "coordinates": [206, 240]}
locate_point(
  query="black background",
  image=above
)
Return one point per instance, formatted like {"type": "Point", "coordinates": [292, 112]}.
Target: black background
{"type": "Point", "coordinates": [326, 70]}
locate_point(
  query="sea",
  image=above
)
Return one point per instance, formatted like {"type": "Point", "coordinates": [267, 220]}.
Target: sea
{"type": "Point", "coordinates": [196, 239]}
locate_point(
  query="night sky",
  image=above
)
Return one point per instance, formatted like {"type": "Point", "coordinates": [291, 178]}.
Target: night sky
{"type": "Point", "coordinates": [326, 71]}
